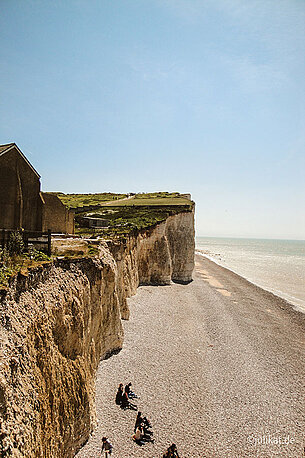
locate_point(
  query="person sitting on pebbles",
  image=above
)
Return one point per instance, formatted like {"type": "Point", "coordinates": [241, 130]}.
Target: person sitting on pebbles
{"type": "Point", "coordinates": [119, 395]}
{"type": "Point", "coordinates": [126, 404]}
{"type": "Point", "coordinates": [144, 422]}
{"type": "Point", "coordinates": [138, 436]}
{"type": "Point", "coordinates": [130, 393]}
{"type": "Point", "coordinates": [171, 452]}
{"type": "Point", "coordinates": [139, 420]}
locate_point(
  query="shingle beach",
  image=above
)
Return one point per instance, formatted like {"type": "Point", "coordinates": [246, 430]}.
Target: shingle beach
{"type": "Point", "coordinates": [219, 367]}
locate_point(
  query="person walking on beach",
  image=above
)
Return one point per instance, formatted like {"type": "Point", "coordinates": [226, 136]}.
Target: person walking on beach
{"type": "Point", "coordinates": [107, 446]}
{"type": "Point", "coordinates": [119, 395]}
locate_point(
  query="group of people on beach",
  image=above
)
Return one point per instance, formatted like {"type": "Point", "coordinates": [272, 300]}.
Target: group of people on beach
{"type": "Point", "coordinates": [142, 429]}
{"type": "Point", "coordinates": [123, 397]}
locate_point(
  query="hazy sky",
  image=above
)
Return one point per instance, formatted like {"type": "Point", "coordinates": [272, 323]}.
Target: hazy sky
{"type": "Point", "coordinates": [200, 96]}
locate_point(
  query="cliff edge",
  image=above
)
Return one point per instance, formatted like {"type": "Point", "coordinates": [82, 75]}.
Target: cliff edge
{"type": "Point", "coordinates": [61, 319]}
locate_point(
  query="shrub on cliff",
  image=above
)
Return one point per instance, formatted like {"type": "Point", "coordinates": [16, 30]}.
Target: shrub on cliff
{"type": "Point", "coordinates": [15, 244]}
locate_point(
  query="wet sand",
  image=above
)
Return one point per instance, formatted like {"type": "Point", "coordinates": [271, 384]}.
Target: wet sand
{"type": "Point", "coordinates": [219, 367]}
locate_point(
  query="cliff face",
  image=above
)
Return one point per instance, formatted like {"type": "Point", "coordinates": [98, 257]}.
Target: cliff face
{"type": "Point", "coordinates": [155, 256]}
{"type": "Point", "coordinates": [61, 320]}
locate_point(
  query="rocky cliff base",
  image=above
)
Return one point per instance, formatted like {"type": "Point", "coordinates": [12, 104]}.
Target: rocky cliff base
{"type": "Point", "coordinates": [60, 320]}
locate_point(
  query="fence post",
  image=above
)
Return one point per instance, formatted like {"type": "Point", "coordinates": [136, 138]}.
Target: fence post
{"type": "Point", "coordinates": [49, 242]}
{"type": "Point", "coordinates": [26, 240]}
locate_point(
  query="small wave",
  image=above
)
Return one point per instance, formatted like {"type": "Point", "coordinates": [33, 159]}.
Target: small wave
{"type": "Point", "coordinates": [298, 304]}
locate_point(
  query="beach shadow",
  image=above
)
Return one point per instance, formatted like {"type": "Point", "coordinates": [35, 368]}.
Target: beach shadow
{"type": "Point", "coordinates": [148, 439]}
{"type": "Point", "coordinates": [129, 407]}
{"type": "Point", "coordinates": [182, 282]}
{"type": "Point", "coordinates": [110, 353]}
{"type": "Point", "coordinates": [144, 440]}
{"type": "Point", "coordinates": [139, 443]}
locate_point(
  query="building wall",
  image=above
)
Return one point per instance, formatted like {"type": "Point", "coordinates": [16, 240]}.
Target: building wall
{"type": "Point", "coordinates": [22, 205]}
{"type": "Point", "coordinates": [20, 202]}
{"type": "Point", "coordinates": [56, 216]}
{"type": "Point", "coordinates": [70, 221]}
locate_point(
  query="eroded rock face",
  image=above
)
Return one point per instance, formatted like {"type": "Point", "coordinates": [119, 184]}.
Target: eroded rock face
{"type": "Point", "coordinates": [155, 256]}
{"type": "Point", "coordinates": [60, 321]}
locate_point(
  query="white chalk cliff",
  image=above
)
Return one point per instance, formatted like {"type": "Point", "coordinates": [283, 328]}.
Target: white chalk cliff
{"type": "Point", "coordinates": [60, 320]}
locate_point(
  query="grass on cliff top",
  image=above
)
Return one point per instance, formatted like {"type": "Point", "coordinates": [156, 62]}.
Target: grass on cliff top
{"type": "Point", "coordinates": [154, 198]}
{"type": "Point", "coordinates": [13, 263]}
{"type": "Point", "coordinates": [125, 213]}
{"type": "Point", "coordinates": [81, 200]}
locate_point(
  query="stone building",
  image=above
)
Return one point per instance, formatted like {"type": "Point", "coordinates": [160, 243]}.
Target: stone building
{"type": "Point", "coordinates": [55, 215]}
{"type": "Point", "coordinates": [22, 204]}
{"type": "Point", "coordinates": [88, 221]}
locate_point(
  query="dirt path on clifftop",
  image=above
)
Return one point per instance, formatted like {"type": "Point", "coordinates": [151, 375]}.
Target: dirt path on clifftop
{"type": "Point", "coordinates": [219, 366]}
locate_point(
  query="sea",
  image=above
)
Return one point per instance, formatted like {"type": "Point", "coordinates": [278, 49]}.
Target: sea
{"type": "Point", "coordinates": [274, 265]}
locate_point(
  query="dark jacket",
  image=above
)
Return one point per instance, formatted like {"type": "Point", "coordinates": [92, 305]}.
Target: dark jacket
{"type": "Point", "coordinates": [118, 398]}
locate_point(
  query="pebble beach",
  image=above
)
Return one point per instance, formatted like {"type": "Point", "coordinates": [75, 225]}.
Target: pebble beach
{"type": "Point", "coordinates": [218, 366]}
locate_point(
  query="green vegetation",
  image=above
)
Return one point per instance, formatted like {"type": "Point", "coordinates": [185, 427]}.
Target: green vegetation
{"type": "Point", "coordinates": [81, 200]}
{"type": "Point", "coordinates": [153, 201]}
{"type": "Point", "coordinates": [124, 220]}
{"type": "Point", "coordinates": [92, 250]}
{"type": "Point", "coordinates": [154, 198]}
{"type": "Point", "coordinates": [14, 259]}
{"type": "Point", "coordinates": [15, 244]}
{"type": "Point", "coordinates": [156, 195]}
{"type": "Point", "coordinates": [6, 271]}
{"type": "Point", "coordinates": [123, 214]}
{"type": "Point", "coordinates": [101, 199]}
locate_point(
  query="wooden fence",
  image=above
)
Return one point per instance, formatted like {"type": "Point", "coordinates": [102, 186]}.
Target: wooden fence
{"type": "Point", "coordinates": [29, 238]}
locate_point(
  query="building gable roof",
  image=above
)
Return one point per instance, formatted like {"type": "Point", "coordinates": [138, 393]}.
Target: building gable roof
{"type": "Point", "coordinates": [5, 147]}
{"type": "Point", "coordinates": [8, 147]}
{"type": "Point", "coordinates": [50, 197]}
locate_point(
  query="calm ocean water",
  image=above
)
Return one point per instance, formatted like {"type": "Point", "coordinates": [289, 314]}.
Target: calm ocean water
{"type": "Point", "coordinates": [275, 265]}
